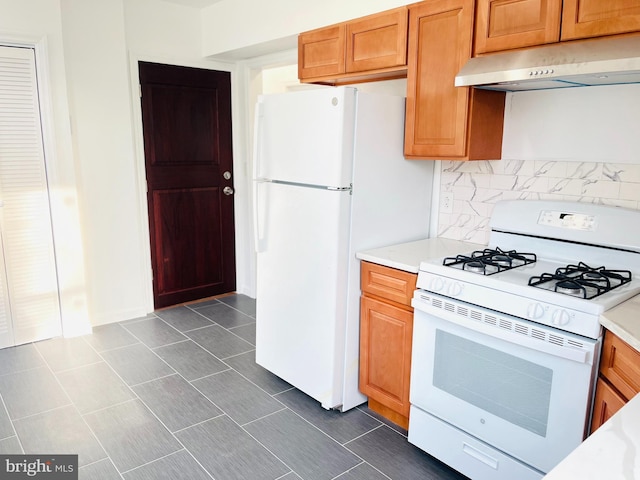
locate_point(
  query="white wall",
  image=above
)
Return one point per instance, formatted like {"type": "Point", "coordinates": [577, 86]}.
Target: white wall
{"type": "Point", "coordinates": [578, 144]}
{"type": "Point", "coordinates": [245, 28]}
{"type": "Point", "coordinates": [38, 22]}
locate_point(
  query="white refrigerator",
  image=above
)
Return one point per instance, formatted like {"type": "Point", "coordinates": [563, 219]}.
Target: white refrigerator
{"type": "Point", "coordinates": [329, 180]}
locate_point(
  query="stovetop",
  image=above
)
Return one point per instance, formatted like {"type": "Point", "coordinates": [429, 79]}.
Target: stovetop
{"type": "Point", "coordinates": [561, 264]}
{"type": "Point", "coordinates": [509, 291]}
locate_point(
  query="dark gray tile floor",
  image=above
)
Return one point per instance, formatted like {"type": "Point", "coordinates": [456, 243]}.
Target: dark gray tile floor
{"type": "Point", "coordinates": [178, 395]}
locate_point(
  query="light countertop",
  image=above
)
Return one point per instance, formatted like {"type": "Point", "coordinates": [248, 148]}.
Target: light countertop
{"type": "Point", "coordinates": [407, 256]}
{"type": "Point", "coordinates": [624, 321]}
{"type": "Point", "coordinates": [611, 453]}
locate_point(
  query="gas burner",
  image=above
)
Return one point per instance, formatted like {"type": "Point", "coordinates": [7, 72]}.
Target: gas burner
{"type": "Point", "coordinates": [490, 261]}
{"type": "Point", "coordinates": [581, 280]}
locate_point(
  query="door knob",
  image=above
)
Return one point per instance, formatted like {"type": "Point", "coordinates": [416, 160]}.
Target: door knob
{"type": "Point", "coordinates": [227, 191]}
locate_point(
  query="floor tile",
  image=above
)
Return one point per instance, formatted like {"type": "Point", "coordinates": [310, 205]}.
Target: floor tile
{"type": "Point", "coordinates": [17, 359]}
{"type": "Point", "coordinates": [364, 471]}
{"type": "Point", "coordinates": [108, 337]}
{"type": "Point", "coordinates": [154, 332]}
{"type": "Point", "coordinates": [136, 364]}
{"type": "Point", "coordinates": [203, 303]}
{"type": "Point", "coordinates": [241, 302]}
{"type": "Point", "coordinates": [94, 387]}
{"type": "Point", "coordinates": [30, 392]}
{"type": "Point", "coordinates": [394, 426]}
{"type": "Point", "coordinates": [175, 402]}
{"type": "Point", "coordinates": [239, 398]}
{"type": "Point", "coordinates": [227, 452]}
{"type": "Point", "coordinates": [342, 427]}
{"type": "Point", "coordinates": [72, 436]}
{"type": "Point", "coordinates": [11, 445]}
{"type": "Point", "coordinates": [172, 467]}
{"type": "Point", "coordinates": [64, 353]}
{"type": "Point", "coordinates": [102, 470]}
{"type": "Point", "coordinates": [190, 360]}
{"type": "Point", "coordinates": [183, 318]}
{"type": "Point", "coordinates": [131, 435]}
{"type": "Point", "coordinates": [307, 451]}
{"type": "Point", "coordinates": [6, 428]}
{"type": "Point", "coordinates": [246, 365]}
{"type": "Point", "coordinates": [389, 452]}
{"type": "Point", "coordinates": [219, 341]}
{"type": "Point", "coordinates": [246, 332]}
{"type": "Point", "coordinates": [226, 316]}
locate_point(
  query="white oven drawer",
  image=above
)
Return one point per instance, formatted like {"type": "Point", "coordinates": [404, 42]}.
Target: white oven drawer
{"type": "Point", "coordinates": [463, 452]}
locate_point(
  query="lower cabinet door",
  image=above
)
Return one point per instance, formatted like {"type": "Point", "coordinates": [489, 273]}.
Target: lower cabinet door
{"type": "Point", "coordinates": [385, 357]}
{"type": "Point", "coordinates": [606, 403]}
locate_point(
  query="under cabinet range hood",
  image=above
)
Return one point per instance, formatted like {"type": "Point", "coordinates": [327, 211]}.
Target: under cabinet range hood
{"type": "Point", "coordinates": [602, 61]}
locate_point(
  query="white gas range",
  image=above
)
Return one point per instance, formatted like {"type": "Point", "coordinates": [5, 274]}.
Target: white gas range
{"type": "Point", "coordinates": [506, 340]}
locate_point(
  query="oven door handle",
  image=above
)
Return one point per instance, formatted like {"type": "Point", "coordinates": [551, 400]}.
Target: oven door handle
{"type": "Point", "coordinates": [494, 330]}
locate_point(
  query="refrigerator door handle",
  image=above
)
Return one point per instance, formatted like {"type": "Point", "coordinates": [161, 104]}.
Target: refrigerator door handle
{"type": "Point", "coordinates": [257, 139]}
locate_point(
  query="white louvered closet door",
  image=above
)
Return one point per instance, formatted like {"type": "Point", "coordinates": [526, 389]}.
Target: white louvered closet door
{"type": "Point", "coordinates": [28, 282]}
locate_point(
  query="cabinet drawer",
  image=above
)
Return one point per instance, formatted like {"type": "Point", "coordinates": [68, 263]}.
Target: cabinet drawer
{"type": "Point", "coordinates": [606, 403]}
{"type": "Point", "coordinates": [620, 365]}
{"type": "Point", "coordinates": [389, 283]}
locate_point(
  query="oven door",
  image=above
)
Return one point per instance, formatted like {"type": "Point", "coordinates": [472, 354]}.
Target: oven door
{"type": "Point", "coordinates": [522, 388]}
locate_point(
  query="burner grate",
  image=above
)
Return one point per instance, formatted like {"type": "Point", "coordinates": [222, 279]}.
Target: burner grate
{"type": "Point", "coordinates": [581, 280]}
{"type": "Point", "coordinates": [490, 261]}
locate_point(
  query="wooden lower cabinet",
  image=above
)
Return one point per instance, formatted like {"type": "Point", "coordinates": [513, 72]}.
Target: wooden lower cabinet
{"type": "Point", "coordinates": [618, 381]}
{"type": "Point", "coordinates": [386, 333]}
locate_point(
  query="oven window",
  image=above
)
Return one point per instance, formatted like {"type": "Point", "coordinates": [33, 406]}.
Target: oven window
{"type": "Point", "coordinates": [504, 385]}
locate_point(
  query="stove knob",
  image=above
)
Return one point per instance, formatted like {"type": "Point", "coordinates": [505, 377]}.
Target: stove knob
{"type": "Point", "coordinates": [535, 311]}
{"type": "Point", "coordinates": [560, 317]}
{"type": "Point", "coordinates": [454, 289]}
{"type": "Point", "coordinates": [437, 284]}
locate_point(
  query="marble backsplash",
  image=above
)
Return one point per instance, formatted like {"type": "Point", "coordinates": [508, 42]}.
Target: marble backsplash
{"type": "Point", "coordinates": [475, 187]}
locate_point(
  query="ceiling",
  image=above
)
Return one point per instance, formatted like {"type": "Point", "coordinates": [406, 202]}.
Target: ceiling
{"type": "Point", "coordinates": [194, 3]}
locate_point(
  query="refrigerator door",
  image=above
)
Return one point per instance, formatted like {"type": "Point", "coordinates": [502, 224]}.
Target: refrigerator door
{"type": "Point", "coordinates": [306, 137]}
{"type": "Point", "coordinates": [302, 269]}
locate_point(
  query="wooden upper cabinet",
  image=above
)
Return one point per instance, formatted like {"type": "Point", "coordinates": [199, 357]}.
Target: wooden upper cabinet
{"type": "Point", "coordinates": [444, 121]}
{"type": "Point", "coordinates": [594, 18]}
{"type": "Point", "coordinates": [508, 24]}
{"type": "Point", "coordinates": [321, 52]}
{"type": "Point", "coordinates": [368, 48]}
{"type": "Point", "coordinates": [377, 41]}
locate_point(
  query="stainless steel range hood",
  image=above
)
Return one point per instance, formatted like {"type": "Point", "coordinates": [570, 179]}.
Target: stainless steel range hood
{"type": "Point", "coordinates": [602, 61]}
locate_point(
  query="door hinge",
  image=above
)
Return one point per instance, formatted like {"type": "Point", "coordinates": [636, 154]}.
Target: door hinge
{"type": "Point", "coordinates": [140, 90]}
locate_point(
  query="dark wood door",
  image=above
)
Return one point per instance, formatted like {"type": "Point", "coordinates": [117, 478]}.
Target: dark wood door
{"type": "Point", "coordinates": [186, 116]}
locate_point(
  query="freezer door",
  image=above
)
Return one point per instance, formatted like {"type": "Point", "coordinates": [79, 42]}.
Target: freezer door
{"type": "Point", "coordinates": [306, 136]}
{"type": "Point", "coordinates": [302, 269]}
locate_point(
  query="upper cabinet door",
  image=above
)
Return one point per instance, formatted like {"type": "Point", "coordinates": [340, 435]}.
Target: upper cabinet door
{"type": "Point", "coordinates": [321, 52]}
{"type": "Point", "coordinates": [508, 24]}
{"type": "Point", "coordinates": [594, 18]}
{"type": "Point", "coordinates": [444, 121]}
{"type": "Point", "coordinates": [377, 41]}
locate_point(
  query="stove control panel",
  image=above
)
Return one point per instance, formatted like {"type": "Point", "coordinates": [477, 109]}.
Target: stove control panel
{"type": "Point", "coordinates": [568, 220]}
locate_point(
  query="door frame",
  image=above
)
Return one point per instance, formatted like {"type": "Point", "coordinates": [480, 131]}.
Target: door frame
{"type": "Point", "coordinates": [140, 169]}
